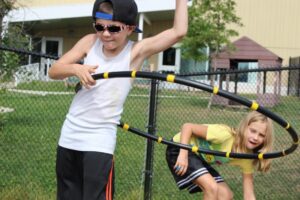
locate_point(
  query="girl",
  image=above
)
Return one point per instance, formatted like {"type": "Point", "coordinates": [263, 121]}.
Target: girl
{"type": "Point", "coordinates": [195, 173]}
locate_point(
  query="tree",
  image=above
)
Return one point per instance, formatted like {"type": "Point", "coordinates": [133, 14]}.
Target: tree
{"type": "Point", "coordinates": [208, 27]}
{"type": "Point", "coordinates": [5, 7]}
{"type": "Point", "coordinates": [14, 36]}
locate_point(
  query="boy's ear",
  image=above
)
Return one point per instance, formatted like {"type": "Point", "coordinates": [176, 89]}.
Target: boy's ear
{"type": "Point", "coordinates": [130, 29]}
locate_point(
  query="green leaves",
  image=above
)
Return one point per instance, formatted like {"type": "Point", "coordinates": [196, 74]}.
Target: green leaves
{"type": "Point", "coordinates": [209, 22]}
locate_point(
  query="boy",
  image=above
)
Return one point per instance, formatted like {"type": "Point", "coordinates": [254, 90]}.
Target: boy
{"type": "Point", "coordinates": [86, 146]}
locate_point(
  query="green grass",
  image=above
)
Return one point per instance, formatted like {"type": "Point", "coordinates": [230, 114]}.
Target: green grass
{"type": "Point", "coordinates": [28, 140]}
{"type": "Point", "coordinates": [46, 86]}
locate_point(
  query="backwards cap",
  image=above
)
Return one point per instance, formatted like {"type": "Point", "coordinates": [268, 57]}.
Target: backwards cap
{"type": "Point", "coordinates": [124, 11]}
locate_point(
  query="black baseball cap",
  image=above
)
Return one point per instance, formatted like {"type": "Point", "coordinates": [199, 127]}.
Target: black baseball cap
{"type": "Point", "coordinates": [124, 11]}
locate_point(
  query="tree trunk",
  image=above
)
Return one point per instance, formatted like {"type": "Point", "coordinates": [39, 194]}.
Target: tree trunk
{"type": "Point", "coordinates": [212, 81]}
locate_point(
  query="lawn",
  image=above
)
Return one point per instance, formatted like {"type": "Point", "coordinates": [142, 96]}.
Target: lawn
{"type": "Point", "coordinates": [29, 135]}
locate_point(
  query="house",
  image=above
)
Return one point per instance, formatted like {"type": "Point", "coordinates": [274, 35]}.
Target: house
{"type": "Point", "coordinates": [248, 55]}
{"type": "Point", "coordinates": [55, 25]}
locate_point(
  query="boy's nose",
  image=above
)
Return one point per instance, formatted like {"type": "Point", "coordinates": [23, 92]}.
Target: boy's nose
{"type": "Point", "coordinates": [106, 32]}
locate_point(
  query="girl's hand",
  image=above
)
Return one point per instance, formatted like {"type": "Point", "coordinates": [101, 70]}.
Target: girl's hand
{"type": "Point", "coordinates": [83, 72]}
{"type": "Point", "coordinates": [181, 163]}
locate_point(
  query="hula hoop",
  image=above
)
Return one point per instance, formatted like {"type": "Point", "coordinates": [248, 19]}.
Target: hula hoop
{"type": "Point", "coordinates": [216, 91]}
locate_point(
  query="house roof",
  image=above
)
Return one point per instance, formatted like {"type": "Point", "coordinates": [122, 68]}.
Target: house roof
{"type": "Point", "coordinates": [247, 49]}
{"type": "Point", "coordinates": [80, 10]}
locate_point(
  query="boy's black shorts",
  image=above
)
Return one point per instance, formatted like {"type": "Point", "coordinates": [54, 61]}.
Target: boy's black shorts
{"type": "Point", "coordinates": [84, 175]}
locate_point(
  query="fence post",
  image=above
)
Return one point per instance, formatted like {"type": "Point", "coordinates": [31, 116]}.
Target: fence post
{"type": "Point", "coordinates": [264, 82]}
{"type": "Point", "coordinates": [298, 87]}
{"type": "Point", "coordinates": [150, 144]}
{"type": "Point", "coordinates": [289, 77]}
{"type": "Point", "coordinates": [236, 76]}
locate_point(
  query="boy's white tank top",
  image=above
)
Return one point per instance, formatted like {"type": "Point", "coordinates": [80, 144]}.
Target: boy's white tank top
{"type": "Point", "coordinates": [91, 123]}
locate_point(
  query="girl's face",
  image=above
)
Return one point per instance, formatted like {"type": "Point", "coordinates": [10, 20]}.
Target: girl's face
{"type": "Point", "coordinates": [255, 134]}
{"type": "Point", "coordinates": [113, 41]}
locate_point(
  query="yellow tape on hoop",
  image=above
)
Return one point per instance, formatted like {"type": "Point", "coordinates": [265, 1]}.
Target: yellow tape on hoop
{"type": "Point", "coordinates": [227, 154]}
{"type": "Point", "coordinates": [254, 105]}
{"type": "Point", "coordinates": [126, 127]}
{"type": "Point", "coordinates": [288, 126]}
{"type": "Point", "coordinates": [159, 139]}
{"type": "Point", "coordinates": [283, 153]}
{"type": "Point", "coordinates": [171, 78]}
{"type": "Point", "coordinates": [105, 75]}
{"type": "Point", "coordinates": [215, 90]}
{"type": "Point", "coordinates": [133, 74]}
{"type": "Point", "coordinates": [195, 149]}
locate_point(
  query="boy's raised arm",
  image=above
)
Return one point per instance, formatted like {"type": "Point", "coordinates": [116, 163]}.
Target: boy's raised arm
{"type": "Point", "coordinates": [167, 38]}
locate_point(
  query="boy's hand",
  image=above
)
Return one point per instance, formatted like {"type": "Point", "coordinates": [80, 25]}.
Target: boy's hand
{"type": "Point", "coordinates": [83, 72]}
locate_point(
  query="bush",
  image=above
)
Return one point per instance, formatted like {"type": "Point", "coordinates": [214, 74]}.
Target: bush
{"type": "Point", "coordinates": [10, 61]}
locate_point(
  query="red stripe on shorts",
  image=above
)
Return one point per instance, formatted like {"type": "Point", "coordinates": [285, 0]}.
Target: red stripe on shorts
{"type": "Point", "coordinates": [109, 184]}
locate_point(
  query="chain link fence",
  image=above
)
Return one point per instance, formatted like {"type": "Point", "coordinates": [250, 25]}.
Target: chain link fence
{"type": "Point", "coordinates": [33, 109]}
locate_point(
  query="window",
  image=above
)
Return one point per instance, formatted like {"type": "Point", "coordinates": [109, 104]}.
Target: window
{"type": "Point", "coordinates": [169, 60]}
{"type": "Point", "coordinates": [169, 56]}
{"type": "Point", "coordinates": [50, 46]}
{"type": "Point", "coordinates": [243, 77]}
{"type": "Point", "coordinates": [243, 65]}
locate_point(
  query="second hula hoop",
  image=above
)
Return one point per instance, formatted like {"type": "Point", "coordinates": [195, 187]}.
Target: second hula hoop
{"type": "Point", "coordinates": [216, 91]}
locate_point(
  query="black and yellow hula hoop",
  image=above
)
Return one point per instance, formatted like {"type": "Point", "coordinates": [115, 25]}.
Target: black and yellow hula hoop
{"type": "Point", "coordinates": [215, 90]}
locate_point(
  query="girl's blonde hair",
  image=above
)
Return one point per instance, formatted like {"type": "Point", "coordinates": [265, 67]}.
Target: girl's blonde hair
{"type": "Point", "coordinates": [267, 146]}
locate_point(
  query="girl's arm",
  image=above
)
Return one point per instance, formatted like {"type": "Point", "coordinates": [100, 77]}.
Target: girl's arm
{"type": "Point", "coordinates": [152, 45]}
{"type": "Point", "coordinates": [187, 131]}
{"type": "Point", "coordinates": [248, 187]}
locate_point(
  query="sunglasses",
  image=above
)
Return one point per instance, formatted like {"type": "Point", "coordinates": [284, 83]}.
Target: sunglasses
{"type": "Point", "coordinates": [109, 28]}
